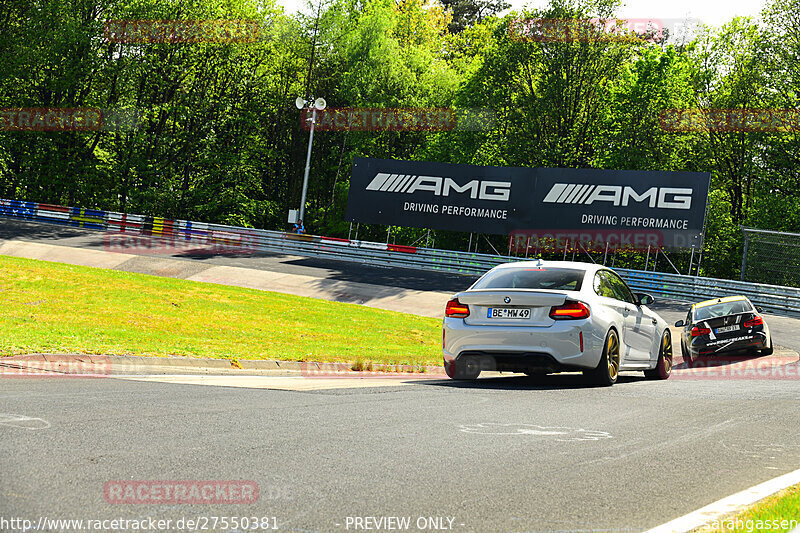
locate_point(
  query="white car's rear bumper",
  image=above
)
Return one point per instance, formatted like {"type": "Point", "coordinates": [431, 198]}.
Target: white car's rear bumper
{"type": "Point", "coordinates": [560, 342]}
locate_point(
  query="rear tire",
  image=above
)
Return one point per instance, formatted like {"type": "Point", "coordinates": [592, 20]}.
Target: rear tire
{"type": "Point", "coordinates": [465, 368]}
{"type": "Point", "coordinates": [769, 349]}
{"type": "Point", "coordinates": [686, 354]}
{"type": "Point", "coordinates": [663, 367]}
{"type": "Point", "coordinates": [607, 371]}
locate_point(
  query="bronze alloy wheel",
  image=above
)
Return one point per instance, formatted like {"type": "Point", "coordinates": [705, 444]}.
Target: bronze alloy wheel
{"type": "Point", "coordinates": [612, 355]}
{"type": "Point", "coordinates": [607, 370]}
{"type": "Point", "coordinates": [666, 353]}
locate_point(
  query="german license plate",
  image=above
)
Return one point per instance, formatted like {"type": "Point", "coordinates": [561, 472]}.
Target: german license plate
{"type": "Point", "coordinates": [506, 312]}
{"type": "Point", "coordinates": [726, 329]}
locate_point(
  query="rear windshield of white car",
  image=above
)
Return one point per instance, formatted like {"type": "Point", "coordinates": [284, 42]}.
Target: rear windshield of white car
{"type": "Point", "coordinates": [722, 309]}
{"type": "Point", "coordinates": [556, 279]}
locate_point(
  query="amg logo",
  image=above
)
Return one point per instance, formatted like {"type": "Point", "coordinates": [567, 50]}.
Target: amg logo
{"type": "Point", "coordinates": [659, 197]}
{"type": "Point", "coordinates": [407, 184]}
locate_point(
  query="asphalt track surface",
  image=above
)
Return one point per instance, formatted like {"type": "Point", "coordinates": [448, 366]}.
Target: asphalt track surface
{"type": "Point", "coordinates": [507, 454]}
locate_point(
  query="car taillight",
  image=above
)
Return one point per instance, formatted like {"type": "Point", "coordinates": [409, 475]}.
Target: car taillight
{"type": "Point", "coordinates": [570, 311]}
{"type": "Point", "coordinates": [696, 332]}
{"type": "Point", "coordinates": [456, 309]}
{"type": "Point", "coordinates": [755, 321]}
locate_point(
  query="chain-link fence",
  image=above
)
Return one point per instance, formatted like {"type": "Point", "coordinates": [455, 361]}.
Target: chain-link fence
{"type": "Point", "coordinates": [771, 257]}
{"type": "Point", "coordinates": [644, 257]}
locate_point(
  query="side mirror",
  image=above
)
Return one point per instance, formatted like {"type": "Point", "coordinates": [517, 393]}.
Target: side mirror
{"type": "Point", "coordinates": [680, 324]}
{"type": "Point", "coordinates": [644, 299]}
{"type": "Point", "coordinates": [759, 309]}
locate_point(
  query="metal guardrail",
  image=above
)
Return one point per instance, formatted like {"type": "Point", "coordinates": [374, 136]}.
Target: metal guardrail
{"type": "Point", "coordinates": [773, 298]}
{"type": "Point", "coordinates": [183, 235]}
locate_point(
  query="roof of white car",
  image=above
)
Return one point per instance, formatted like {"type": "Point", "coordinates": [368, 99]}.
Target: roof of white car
{"type": "Point", "coordinates": [538, 263]}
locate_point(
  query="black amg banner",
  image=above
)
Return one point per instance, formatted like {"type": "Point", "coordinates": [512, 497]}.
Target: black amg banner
{"type": "Point", "coordinates": [627, 208]}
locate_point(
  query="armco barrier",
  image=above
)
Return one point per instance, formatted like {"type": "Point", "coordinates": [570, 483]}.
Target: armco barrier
{"type": "Point", "coordinates": [775, 299]}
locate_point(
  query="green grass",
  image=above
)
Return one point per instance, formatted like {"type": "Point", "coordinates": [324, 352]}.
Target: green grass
{"type": "Point", "coordinates": [771, 514]}
{"type": "Point", "coordinates": [55, 308]}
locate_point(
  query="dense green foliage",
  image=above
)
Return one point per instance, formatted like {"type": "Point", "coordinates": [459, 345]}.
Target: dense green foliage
{"type": "Point", "coordinates": [219, 138]}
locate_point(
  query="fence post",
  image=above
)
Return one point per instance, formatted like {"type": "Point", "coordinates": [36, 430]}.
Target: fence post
{"type": "Point", "coordinates": [744, 254]}
{"type": "Point", "coordinates": [699, 260]}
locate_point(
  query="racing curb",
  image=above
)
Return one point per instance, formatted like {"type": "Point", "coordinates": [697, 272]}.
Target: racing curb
{"type": "Point", "coordinates": [97, 366]}
{"type": "Point", "coordinates": [126, 364]}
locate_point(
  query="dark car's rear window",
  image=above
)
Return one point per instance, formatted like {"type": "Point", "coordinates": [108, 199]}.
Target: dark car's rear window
{"type": "Point", "coordinates": [557, 279]}
{"type": "Point", "coordinates": [722, 309]}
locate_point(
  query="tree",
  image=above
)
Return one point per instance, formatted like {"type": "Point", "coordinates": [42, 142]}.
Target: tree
{"type": "Point", "coordinates": [467, 13]}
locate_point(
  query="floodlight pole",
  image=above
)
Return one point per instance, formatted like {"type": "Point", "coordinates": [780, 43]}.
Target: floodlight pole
{"type": "Point", "coordinates": [308, 164]}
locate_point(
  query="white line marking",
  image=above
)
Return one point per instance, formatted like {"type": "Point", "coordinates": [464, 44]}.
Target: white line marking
{"type": "Point", "coordinates": [565, 434]}
{"type": "Point", "coordinates": [730, 505]}
{"type": "Point", "coordinates": [22, 421]}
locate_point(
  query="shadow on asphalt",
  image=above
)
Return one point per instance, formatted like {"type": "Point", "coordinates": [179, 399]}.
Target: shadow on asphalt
{"type": "Point", "coordinates": [24, 230]}
{"type": "Point", "coordinates": [516, 382]}
{"type": "Point", "coordinates": [396, 278]}
{"type": "Point", "coordinates": [670, 307]}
